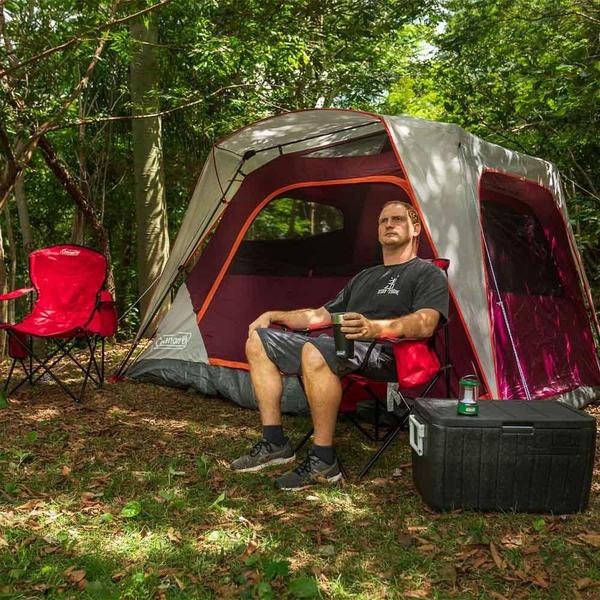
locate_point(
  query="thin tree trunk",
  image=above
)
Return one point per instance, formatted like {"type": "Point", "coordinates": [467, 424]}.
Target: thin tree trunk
{"type": "Point", "coordinates": [12, 254]}
{"type": "Point", "coordinates": [23, 212]}
{"type": "Point", "coordinates": [78, 227]}
{"type": "Point", "coordinates": [68, 181]}
{"type": "Point", "coordinates": [3, 290]}
{"type": "Point", "coordinates": [151, 212]}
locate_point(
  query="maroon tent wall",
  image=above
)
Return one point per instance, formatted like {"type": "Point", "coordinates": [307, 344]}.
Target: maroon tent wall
{"type": "Point", "coordinates": [227, 286]}
{"type": "Point", "coordinates": [539, 288]}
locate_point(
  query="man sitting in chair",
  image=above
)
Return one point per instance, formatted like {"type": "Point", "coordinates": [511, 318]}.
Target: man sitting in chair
{"type": "Point", "coordinates": [405, 297]}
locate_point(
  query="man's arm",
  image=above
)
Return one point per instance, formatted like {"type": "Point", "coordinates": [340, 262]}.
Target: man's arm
{"type": "Point", "coordinates": [420, 324]}
{"type": "Point", "coordinates": [293, 319]}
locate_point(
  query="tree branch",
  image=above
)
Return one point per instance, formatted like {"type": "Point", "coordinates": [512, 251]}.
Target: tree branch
{"type": "Point", "coordinates": [79, 38]}
{"type": "Point", "coordinates": [79, 122]}
{"type": "Point", "coordinates": [82, 202]}
{"type": "Point", "coordinates": [24, 157]}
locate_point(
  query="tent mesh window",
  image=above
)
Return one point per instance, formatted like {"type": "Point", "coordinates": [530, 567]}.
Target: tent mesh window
{"type": "Point", "coordinates": [291, 237]}
{"type": "Point", "coordinates": [289, 218]}
{"type": "Point", "coordinates": [519, 251]}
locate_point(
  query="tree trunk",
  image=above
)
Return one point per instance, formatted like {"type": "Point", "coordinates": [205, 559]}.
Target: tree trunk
{"type": "Point", "coordinates": [3, 290]}
{"type": "Point", "coordinates": [65, 177]}
{"type": "Point", "coordinates": [151, 212]}
{"type": "Point", "coordinates": [23, 212]}
{"type": "Point", "coordinates": [78, 226]}
{"type": "Point", "coordinates": [12, 254]}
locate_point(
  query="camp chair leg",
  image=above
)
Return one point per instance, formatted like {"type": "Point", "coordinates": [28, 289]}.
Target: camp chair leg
{"type": "Point", "coordinates": [390, 437]}
{"type": "Point", "coordinates": [87, 371]}
{"type": "Point", "coordinates": [102, 363]}
{"type": "Point", "coordinates": [41, 365]}
{"type": "Point", "coordinates": [92, 345]}
{"type": "Point", "coordinates": [303, 441]}
{"type": "Point", "coordinates": [67, 348]}
{"type": "Point", "coordinates": [10, 372]}
{"type": "Point", "coordinates": [358, 426]}
{"type": "Point", "coordinates": [30, 352]}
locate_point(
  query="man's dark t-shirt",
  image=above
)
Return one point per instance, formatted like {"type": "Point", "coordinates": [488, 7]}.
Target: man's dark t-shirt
{"type": "Point", "coordinates": [384, 292]}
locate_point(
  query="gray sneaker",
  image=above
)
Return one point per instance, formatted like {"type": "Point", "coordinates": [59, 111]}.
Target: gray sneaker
{"type": "Point", "coordinates": [312, 470]}
{"type": "Point", "coordinates": [264, 454]}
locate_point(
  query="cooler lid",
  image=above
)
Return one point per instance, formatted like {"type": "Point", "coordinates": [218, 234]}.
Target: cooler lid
{"type": "Point", "coordinates": [548, 414]}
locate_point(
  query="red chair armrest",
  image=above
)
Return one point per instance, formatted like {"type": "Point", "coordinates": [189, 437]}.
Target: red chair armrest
{"type": "Point", "coordinates": [106, 298]}
{"type": "Point", "coordinates": [16, 293]}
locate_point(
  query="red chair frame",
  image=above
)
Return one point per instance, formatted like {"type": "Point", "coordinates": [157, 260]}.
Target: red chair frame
{"type": "Point", "coordinates": [69, 306]}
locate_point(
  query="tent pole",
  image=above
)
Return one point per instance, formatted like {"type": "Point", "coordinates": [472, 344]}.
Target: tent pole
{"type": "Point", "coordinates": [140, 334]}
{"type": "Point", "coordinates": [246, 156]}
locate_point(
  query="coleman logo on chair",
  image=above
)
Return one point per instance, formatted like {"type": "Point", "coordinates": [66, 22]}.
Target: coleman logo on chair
{"type": "Point", "coordinates": [69, 252]}
{"type": "Point", "coordinates": [175, 341]}
{"type": "Point", "coordinates": [389, 288]}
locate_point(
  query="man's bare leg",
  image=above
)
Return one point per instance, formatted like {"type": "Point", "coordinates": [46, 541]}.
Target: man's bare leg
{"type": "Point", "coordinates": [266, 381]}
{"type": "Point", "coordinates": [324, 394]}
{"type": "Point", "coordinates": [274, 448]}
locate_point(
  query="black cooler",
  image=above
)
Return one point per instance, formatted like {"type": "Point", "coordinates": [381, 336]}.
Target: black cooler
{"type": "Point", "coordinates": [534, 456]}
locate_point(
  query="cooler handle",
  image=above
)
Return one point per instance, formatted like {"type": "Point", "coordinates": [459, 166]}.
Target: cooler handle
{"type": "Point", "coordinates": [416, 431]}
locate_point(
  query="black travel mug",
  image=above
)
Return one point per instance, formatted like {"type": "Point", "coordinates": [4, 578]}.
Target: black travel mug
{"type": "Point", "coordinates": [344, 348]}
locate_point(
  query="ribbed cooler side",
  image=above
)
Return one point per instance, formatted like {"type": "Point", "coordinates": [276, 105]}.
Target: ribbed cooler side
{"type": "Point", "coordinates": [542, 470]}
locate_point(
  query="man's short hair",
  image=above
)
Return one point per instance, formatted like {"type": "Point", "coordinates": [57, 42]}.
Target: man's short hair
{"type": "Point", "coordinates": [410, 211]}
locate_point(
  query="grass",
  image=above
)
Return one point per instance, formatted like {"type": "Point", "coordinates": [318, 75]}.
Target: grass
{"type": "Point", "coordinates": [129, 496]}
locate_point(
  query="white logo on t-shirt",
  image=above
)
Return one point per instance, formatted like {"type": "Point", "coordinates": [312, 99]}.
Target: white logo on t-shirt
{"type": "Point", "coordinates": [389, 288]}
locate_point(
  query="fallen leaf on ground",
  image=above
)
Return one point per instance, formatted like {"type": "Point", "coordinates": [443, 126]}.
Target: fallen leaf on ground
{"type": "Point", "coordinates": [30, 505]}
{"type": "Point", "coordinates": [179, 583]}
{"type": "Point", "coordinates": [416, 594]}
{"type": "Point", "coordinates": [540, 581]}
{"type": "Point", "coordinates": [167, 571]}
{"type": "Point", "coordinates": [74, 575]}
{"type": "Point", "coordinates": [586, 582]}
{"type": "Point", "coordinates": [66, 471]}
{"type": "Point", "coordinates": [173, 536]}
{"type": "Point", "coordinates": [593, 539]}
{"type": "Point", "coordinates": [250, 549]}
{"type": "Point", "coordinates": [498, 560]}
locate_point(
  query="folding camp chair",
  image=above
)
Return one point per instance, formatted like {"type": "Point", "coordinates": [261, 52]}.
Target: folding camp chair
{"type": "Point", "coordinates": [70, 307]}
{"type": "Point", "coordinates": [418, 370]}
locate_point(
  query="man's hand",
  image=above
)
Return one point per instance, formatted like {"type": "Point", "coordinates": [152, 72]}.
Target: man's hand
{"type": "Point", "coordinates": [262, 322]}
{"type": "Point", "coordinates": [357, 327]}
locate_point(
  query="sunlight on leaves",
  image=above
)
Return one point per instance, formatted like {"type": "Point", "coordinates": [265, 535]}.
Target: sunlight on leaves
{"type": "Point", "coordinates": [132, 509]}
{"type": "Point", "coordinates": [304, 587]}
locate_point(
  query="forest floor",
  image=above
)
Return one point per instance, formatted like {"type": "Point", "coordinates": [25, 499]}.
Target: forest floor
{"type": "Point", "coordinates": [129, 495]}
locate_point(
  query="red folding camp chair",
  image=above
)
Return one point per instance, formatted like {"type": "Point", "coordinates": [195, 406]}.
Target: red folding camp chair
{"type": "Point", "coordinates": [70, 307]}
{"type": "Point", "coordinates": [418, 369]}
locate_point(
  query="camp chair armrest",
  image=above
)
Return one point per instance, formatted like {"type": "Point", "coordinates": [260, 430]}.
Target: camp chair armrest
{"type": "Point", "coordinates": [105, 297]}
{"type": "Point", "coordinates": [16, 293]}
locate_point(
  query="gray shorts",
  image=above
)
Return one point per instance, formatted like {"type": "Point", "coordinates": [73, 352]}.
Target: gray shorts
{"type": "Point", "coordinates": [284, 348]}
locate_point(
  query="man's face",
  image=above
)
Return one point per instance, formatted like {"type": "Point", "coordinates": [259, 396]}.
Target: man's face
{"type": "Point", "coordinates": [395, 227]}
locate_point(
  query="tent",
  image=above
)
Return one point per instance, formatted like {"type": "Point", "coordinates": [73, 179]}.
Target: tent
{"type": "Point", "coordinates": [521, 313]}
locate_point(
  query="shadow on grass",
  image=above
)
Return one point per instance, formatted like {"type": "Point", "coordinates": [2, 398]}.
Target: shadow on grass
{"type": "Point", "coordinates": [129, 496]}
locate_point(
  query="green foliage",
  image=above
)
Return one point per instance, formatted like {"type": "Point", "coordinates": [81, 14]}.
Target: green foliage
{"type": "Point", "coordinates": [523, 74]}
{"type": "Point", "coordinates": [132, 509]}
